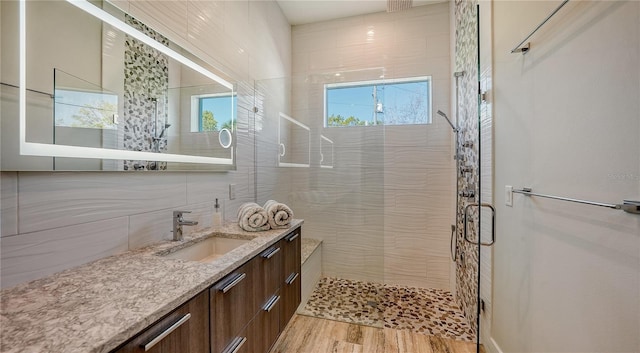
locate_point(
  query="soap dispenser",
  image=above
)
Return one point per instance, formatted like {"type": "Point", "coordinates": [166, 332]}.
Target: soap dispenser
{"type": "Point", "coordinates": [217, 215]}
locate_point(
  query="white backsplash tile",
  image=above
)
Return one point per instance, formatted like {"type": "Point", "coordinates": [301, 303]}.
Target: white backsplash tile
{"type": "Point", "coordinates": [52, 200]}
{"type": "Point", "coordinates": [33, 255]}
{"type": "Point", "coordinates": [148, 228]}
{"type": "Point", "coordinates": [9, 203]}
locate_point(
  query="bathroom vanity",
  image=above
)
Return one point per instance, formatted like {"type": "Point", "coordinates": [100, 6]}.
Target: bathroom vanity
{"type": "Point", "coordinates": [150, 300]}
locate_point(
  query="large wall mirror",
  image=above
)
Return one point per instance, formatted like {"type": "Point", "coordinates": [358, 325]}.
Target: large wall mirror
{"type": "Point", "coordinates": [88, 87]}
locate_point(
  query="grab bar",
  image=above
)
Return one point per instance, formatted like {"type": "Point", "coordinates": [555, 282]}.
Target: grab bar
{"type": "Point", "coordinates": [525, 49]}
{"type": "Point", "coordinates": [628, 206]}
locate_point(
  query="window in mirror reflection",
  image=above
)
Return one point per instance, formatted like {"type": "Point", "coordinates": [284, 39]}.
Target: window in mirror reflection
{"type": "Point", "coordinates": [215, 112]}
{"type": "Point", "coordinates": [79, 103]}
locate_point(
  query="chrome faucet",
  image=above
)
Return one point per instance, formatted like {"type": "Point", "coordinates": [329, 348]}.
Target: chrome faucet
{"type": "Point", "coordinates": [178, 222]}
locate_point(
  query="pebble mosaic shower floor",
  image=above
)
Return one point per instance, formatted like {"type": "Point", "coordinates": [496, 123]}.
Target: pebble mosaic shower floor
{"type": "Point", "coordinates": [422, 310]}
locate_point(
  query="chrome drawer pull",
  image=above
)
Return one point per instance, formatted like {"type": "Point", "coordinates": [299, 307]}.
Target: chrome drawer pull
{"type": "Point", "coordinates": [293, 237]}
{"type": "Point", "coordinates": [233, 283]}
{"type": "Point", "coordinates": [166, 332]}
{"type": "Point", "coordinates": [292, 277]}
{"type": "Point", "coordinates": [268, 255]}
{"type": "Point", "coordinates": [235, 345]}
{"type": "Point", "coordinates": [271, 303]}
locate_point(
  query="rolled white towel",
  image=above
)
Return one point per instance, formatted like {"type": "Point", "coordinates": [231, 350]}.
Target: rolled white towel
{"type": "Point", "coordinates": [252, 217]}
{"type": "Point", "coordinates": [279, 214]}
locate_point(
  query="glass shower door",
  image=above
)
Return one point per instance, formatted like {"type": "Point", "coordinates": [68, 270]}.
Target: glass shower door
{"type": "Point", "coordinates": [475, 212]}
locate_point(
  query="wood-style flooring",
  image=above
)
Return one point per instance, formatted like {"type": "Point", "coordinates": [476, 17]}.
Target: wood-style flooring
{"type": "Point", "coordinates": [306, 334]}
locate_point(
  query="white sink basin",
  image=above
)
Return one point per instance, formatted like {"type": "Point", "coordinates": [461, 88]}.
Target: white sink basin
{"type": "Point", "coordinates": [207, 250]}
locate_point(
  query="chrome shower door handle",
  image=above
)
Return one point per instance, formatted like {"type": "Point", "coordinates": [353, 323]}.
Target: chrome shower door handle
{"type": "Point", "coordinates": [493, 223]}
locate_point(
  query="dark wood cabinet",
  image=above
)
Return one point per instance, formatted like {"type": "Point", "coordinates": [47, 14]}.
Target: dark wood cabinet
{"type": "Point", "coordinates": [275, 287]}
{"type": "Point", "coordinates": [291, 288]}
{"type": "Point", "coordinates": [244, 312]}
{"type": "Point", "coordinates": [185, 330]}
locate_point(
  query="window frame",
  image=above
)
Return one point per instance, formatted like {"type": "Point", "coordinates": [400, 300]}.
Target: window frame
{"type": "Point", "coordinates": [426, 78]}
{"type": "Point", "coordinates": [196, 109]}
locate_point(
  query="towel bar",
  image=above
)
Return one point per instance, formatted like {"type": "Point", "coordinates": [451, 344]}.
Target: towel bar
{"type": "Point", "coordinates": [524, 49]}
{"type": "Point", "coordinates": [628, 206]}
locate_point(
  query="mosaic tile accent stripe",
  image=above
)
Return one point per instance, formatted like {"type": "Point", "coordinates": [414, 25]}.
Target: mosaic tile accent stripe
{"type": "Point", "coordinates": [466, 58]}
{"type": "Point", "coordinates": [421, 310]}
{"type": "Point", "coordinates": [146, 98]}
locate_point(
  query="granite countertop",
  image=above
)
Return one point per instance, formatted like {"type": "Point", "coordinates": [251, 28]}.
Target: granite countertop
{"type": "Point", "coordinates": [309, 245]}
{"type": "Point", "coordinates": [100, 305]}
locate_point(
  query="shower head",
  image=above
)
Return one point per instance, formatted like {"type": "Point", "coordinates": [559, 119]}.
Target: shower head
{"type": "Point", "coordinates": [398, 5]}
{"type": "Point", "coordinates": [459, 73]}
{"type": "Point", "coordinates": [449, 121]}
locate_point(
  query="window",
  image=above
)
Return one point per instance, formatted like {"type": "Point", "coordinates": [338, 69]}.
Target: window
{"type": "Point", "coordinates": [214, 112]}
{"type": "Point", "coordinates": [381, 102]}
{"type": "Point", "coordinates": [86, 109]}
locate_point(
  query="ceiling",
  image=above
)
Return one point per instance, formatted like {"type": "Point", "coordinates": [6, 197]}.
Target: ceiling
{"type": "Point", "coordinates": [309, 11]}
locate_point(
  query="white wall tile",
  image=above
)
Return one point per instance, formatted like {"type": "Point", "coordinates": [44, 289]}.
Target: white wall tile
{"type": "Point", "coordinates": [152, 227]}
{"type": "Point", "coordinates": [205, 187]}
{"type": "Point", "coordinates": [314, 41]}
{"type": "Point", "coordinates": [404, 262]}
{"type": "Point", "coordinates": [406, 280]}
{"type": "Point", "coordinates": [9, 203]}
{"type": "Point", "coordinates": [52, 200]}
{"type": "Point", "coordinates": [236, 22]}
{"type": "Point", "coordinates": [438, 46]}
{"type": "Point", "coordinates": [162, 16]}
{"type": "Point", "coordinates": [33, 255]}
{"type": "Point", "coordinates": [438, 272]}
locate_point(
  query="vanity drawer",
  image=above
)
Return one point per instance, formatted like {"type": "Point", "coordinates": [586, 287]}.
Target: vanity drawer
{"type": "Point", "coordinates": [185, 330]}
{"type": "Point", "coordinates": [232, 304]}
{"type": "Point", "coordinates": [269, 324]}
{"type": "Point", "coordinates": [291, 285]}
{"type": "Point", "coordinates": [271, 271]}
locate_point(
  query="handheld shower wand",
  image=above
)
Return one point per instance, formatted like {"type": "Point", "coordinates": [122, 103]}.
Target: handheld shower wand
{"type": "Point", "coordinates": [164, 129]}
{"type": "Point", "coordinates": [455, 129]}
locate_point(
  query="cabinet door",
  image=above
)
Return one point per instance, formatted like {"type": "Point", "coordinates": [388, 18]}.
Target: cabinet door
{"type": "Point", "coordinates": [291, 288]}
{"type": "Point", "coordinates": [232, 305]}
{"type": "Point", "coordinates": [271, 270]}
{"type": "Point", "coordinates": [185, 330]}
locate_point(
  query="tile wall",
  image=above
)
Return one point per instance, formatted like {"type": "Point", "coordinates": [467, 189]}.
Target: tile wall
{"type": "Point", "coordinates": [384, 210]}
{"type": "Point", "coordinates": [144, 96]}
{"type": "Point", "coordinates": [52, 221]}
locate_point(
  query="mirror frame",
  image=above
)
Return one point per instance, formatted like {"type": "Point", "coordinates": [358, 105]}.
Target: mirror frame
{"type": "Point", "coordinates": [51, 150]}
